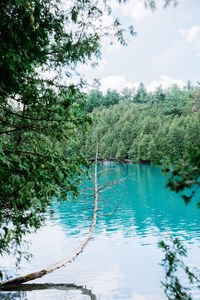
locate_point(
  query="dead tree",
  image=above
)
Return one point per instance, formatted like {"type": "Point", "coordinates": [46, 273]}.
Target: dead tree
{"type": "Point", "coordinates": [93, 192]}
{"type": "Point", "coordinates": [63, 262]}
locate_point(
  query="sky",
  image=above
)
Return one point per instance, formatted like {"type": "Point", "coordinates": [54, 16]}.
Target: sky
{"type": "Point", "coordinates": [165, 50]}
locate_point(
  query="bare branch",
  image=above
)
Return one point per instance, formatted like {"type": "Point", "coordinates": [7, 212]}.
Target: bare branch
{"type": "Point", "coordinates": [61, 263]}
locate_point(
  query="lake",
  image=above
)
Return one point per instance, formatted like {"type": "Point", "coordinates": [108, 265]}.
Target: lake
{"type": "Point", "coordinates": [122, 261]}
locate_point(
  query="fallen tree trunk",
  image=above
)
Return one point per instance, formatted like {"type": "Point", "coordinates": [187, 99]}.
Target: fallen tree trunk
{"type": "Point", "coordinates": [61, 263]}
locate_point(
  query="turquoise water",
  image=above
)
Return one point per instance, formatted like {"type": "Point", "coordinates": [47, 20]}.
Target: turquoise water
{"type": "Point", "coordinates": [122, 260]}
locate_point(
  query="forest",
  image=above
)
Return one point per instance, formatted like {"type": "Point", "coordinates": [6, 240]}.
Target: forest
{"type": "Point", "coordinates": [143, 126]}
{"type": "Point", "coordinates": [49, 128]}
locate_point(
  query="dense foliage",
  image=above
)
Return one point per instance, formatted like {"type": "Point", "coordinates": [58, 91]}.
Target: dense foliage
{"type": "Point", "coordinates": [174, 265]}
{"type": "Point", "coordinates": [164, 125]}
{"type": "Point", "coordinates": [142, 126]}
{"type": "Point", "coordinates": [41, 107]}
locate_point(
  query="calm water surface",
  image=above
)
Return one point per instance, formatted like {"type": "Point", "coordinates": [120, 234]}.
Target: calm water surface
{"type": "Point", "coordinates": [122, 260]}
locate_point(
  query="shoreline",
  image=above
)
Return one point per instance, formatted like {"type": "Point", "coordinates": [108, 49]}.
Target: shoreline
{"type": "Point", "coordinates": [125, 161]}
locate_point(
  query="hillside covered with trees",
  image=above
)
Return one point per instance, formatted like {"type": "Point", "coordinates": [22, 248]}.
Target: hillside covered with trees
{"type": "Point", "coordinates": [143, 126]}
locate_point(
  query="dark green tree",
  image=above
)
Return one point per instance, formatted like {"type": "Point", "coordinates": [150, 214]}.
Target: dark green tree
{"type": "Point", "coordinates": [152, 152]}
{"type": "Point", "coordinates": [121, 151]}
{"type": "Point", "coordinates": [128, 94]}
{"type": "Point", "coordinates": [41, 109]}
{"type": "Point", "coordinates": [126, 134]}
{"type": "Point", "coordinates": [94, 99]}
{"type": "Point", "coordinates": [111, 97]}
{"type": "Point", "coordinates": [141, 94]}
{"type": "Point", "coordinates": [159, 95]}
{"type": "Point", "coordinates": [129, 122]}
{"type": "Point", "coordinates": [175, 138]}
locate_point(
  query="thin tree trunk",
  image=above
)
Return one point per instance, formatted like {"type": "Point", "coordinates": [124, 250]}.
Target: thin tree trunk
{"type": "Point", "coordinates": [61, 263]}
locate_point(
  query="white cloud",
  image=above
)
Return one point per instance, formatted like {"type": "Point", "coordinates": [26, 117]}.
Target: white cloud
{"type": "Point", "coordinates": [107, 20]}
{"type": "Point", "coordinates": [119, 83]}
{"type": "Point", "coordinates": [165, 82]}
{"type": "Point", "coordinates": [132, 8]}
{"type": "Point", "coordinates": [192, 36]}
{"type": "Point", "coordinates": [136, 10]}
{"type": "Point", "coordinates": [87, 68]}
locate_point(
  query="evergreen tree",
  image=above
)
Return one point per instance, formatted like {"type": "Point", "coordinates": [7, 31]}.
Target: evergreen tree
{"type": "Point", "coordinates": [147, 126]}
{"type": "Point", "coordinates": [141, 94]}
{"type": "Point", "coordinates": [176, 138]}
{"type": "Point", "coordinates": [143, 146]}
{"type": "Point", "coordinates": [111, 98]}
{"type": "Point", "coordinates": [121, 151]}
{"type": "Point", "coordinates": [94, 99]}
{"type": "Point", "coordinates": [42, 115]}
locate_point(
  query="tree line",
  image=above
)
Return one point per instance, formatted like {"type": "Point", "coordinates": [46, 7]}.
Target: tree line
{"type": "Point", "coordinates": [144, 126]}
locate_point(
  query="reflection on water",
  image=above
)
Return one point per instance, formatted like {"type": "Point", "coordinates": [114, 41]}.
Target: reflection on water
{"type": "Point", "coordinates": [146, 205]}
{"type": "Point", "coordinates": [21, 291]}
{"type": "Point", "coordinates": [122, 260]}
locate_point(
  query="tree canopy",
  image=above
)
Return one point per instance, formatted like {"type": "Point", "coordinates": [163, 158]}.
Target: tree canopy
{"type": "Point", "coordinates": [41, 106]}
{"type": "Point", "coordinates": [143, 126]}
